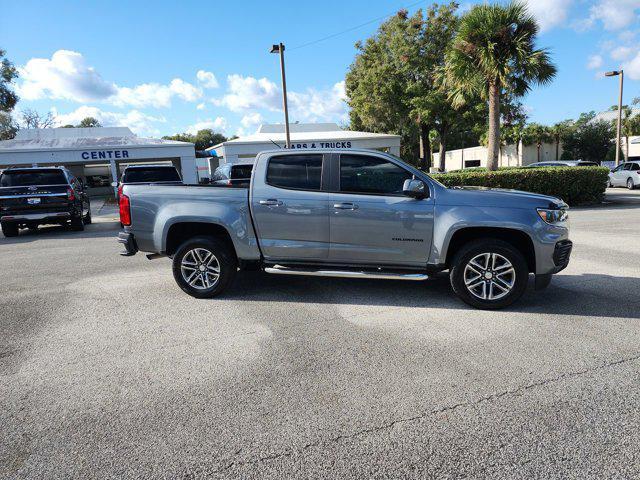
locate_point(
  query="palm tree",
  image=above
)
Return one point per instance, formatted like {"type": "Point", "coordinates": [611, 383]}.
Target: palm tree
{"type": "Point", "coordinates": [557, 131]}
{"type": "Point", "coordinates": [494, 53]}
{"type": "Point", "coordinates": [537, 135]}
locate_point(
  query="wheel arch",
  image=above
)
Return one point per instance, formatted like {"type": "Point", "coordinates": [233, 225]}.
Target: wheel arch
{"type": "Point", "coordinates": [180, 232]}
{"type": "Point", "coordinates": [517, 238]}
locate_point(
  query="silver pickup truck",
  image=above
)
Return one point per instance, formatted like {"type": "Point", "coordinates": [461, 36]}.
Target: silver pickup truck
{"type": "Point", "coordinates": [349, 213]}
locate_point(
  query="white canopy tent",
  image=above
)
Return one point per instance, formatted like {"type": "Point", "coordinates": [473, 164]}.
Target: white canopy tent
{"type": "Point", "coordinates": [76, 148]}
{"type": "Point", "coordinates": [303, 135]}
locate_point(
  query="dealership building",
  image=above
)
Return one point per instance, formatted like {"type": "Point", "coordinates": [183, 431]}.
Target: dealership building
{"type": "Point", "coordinates": [319, 136]}
{"type": "Point", "coordinates": [95, 152]}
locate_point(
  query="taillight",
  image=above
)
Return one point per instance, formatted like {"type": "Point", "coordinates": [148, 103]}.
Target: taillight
{"type": "Point", "coordinates": [70, 195]}
{"type": "Point", "coordinates": [125, 210]}
{"type": "Point", "coordinates": [120, 190]}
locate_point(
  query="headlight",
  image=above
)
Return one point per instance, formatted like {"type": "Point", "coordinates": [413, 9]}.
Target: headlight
{"type": "Point", "coordinates": [553, 216]}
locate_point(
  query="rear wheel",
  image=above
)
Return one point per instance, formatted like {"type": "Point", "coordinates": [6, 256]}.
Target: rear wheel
{"type": "Point", "coordinates": [87, 217]}
{"type": "Point", "coordinates": [489, 274]}
{"type": "Point", "coordinates": [630, 184]}
{"type": "Point", "coordinates": [9, 229]}
{"type": "Point", "coordinates": [77, 223]}
{"type": "Point", "coordinates": [204, 266]}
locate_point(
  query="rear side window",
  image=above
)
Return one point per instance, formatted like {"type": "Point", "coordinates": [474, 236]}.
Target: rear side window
{"type": "Point", "coordinates": [241, 171]}
{"type": "Point", "coordinates": [25, 178]}
{"type": "Point", "coordinates": [371, 175]}
{"type": "Point", "coordinates": [144, 175]}
{"type": "Point", "coordinates": [301, 172]}
{"type": "Point", "coordinates": [635, 166]}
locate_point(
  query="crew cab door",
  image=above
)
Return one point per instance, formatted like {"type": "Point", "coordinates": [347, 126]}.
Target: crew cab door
{"type": "Point", "coordinates": [289, 208]}
{"type": "Point", "coordinates": [370, 220]}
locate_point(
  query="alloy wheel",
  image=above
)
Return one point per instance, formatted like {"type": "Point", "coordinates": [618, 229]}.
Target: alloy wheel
{"type": "Point", "coordinates": [489, 276]}
{"type": "Point", "coordinates": [200, 268]}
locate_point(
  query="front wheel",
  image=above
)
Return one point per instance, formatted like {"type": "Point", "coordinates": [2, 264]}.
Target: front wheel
{"type": "Point", "coordinates": [203, 267]}
{"type": "Point", "coordinates": [489, 274]}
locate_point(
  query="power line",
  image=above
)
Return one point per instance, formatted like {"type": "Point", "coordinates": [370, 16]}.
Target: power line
{"type": "Point", "coordinates": [354, 28]}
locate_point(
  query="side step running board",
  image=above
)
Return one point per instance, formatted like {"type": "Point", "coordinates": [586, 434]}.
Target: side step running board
{"type": "Point", "coordinates": [280, 270]}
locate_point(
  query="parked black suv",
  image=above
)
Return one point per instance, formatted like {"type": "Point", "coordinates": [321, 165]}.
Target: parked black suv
{"type": "Point", "coordinates": [230, 174]}
{"type": "Point", "coordinates": [41, 195]}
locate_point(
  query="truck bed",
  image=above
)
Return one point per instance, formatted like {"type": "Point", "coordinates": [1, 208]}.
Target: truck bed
{"type": "Point", "coordinates": [155, 208]}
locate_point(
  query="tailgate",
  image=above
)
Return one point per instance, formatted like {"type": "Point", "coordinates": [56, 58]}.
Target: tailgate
{"type": "Point", "coordinates": [41, 199]}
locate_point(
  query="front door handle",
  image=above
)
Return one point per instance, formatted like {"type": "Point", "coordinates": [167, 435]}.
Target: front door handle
{"type": "Point", "coordinates": [271, 202]}
{"type": "Point", "coordinates": [345, 206]}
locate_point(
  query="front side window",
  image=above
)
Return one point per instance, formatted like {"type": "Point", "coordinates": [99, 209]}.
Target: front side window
{"type": "Point", "coordinates": [371, 175]}
{"type": "Point", "coordinates": [299, 172]}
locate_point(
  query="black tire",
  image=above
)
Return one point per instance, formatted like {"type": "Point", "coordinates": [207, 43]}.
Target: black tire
{"type": "Point", "coordinates": [630, 184]}
{"type": "Point", "coordinates": [87, 217]}
{"type": "Point", "coordinates": [77, 223]}
{"type": "Point", "coordinates": [489, 280]}
{"type": "Point", "coordinates": [10, 229]}
{"type": "Point", "coordinates": [223, 255]}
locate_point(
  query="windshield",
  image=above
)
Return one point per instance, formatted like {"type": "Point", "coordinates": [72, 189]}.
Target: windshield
{"type": "Point", "coordinates": [26, 178]}
{"type": "Point", "coordinates": [155, 174]}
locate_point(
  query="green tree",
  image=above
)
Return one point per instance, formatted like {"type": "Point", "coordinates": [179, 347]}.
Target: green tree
{"type": "Point", "coordinates": [393, 85]}
{"type": "Point", "coordinates": [89, 122]}
{"type": "Point", "coordinates": [494, 54]}
{"type": "Point", "coordinates": [536, 134]}
{"type": "Point", "coordinates": [588, 139]}
{"type": "Point", "coordinates": [202, 139]}
{"type": "Point", "coordinates": [8, 126]}
{"type": "Point", "coordinates": [8, 98]}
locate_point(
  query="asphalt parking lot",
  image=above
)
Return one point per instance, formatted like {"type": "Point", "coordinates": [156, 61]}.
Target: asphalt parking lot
{"type": "Point", "coordinates": [107, 370]}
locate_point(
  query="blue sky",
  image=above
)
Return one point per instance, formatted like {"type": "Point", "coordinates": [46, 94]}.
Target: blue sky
{"type": "Point", "coordinates": [164, 67]}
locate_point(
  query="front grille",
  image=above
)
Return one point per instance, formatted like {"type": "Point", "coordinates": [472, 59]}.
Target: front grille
{"type": "Point", "coordinates": [562, 253]}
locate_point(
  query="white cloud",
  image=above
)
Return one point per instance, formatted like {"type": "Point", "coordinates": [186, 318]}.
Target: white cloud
{"type": "Point", "coordinates": [137, 121]}
{"type": "Point", "coordinates": [249, 93]}
{"type": "Point", "coordinates": [632, 68]}
{"type": "Point", "coordinates": [320, 105]}
{"type": "Point", "coordinates": [219, 124]}
{"type": "Point", "coordinates": [66, 76]}
{"type": "Point", "coordinates": [549, 13]}
{"type": "Point", "coordinates": [201, 106]}
{"type": "Point", "coordinates": [252, 119]}
{"type": "Point", "coordinates": [244, 93]}
{"type": "Point", "coordinates": [207, 79]}
{"type": "Point", "coordinates": [622, 52]}
{"type": "Point", "coordinates": [615, 14]}
{"type": "Point", "coordinates": [155, 94]}
{"type": "Point", "coordinates": [595, 61]}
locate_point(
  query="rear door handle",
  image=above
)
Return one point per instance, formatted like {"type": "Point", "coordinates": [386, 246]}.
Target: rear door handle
{"type": "Point", "coordinates": [271, 202]}
{"type": "Point", "coordinates": [345, 206]}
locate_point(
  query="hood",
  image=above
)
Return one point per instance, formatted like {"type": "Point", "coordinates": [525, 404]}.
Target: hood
{"type": "Point", "coordinates": [501, 197]}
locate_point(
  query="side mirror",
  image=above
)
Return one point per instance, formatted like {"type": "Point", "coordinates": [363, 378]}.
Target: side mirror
{"type": "Point", "coordinates": [415, 189]}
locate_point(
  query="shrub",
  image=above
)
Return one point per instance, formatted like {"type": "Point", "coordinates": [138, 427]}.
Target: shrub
{"type": "Point", "coordinates": [574, 185]}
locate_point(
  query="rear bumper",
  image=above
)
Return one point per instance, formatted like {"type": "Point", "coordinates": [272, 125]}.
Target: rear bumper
{"type": "Point", "coordinates": [36, 217]}
{"type": "Point", "coordinates": [127, 239]}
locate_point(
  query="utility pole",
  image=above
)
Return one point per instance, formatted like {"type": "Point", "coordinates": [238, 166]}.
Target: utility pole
{"type": "Point", "coordinates": [280, 49]}
{"type": "Point", "coordinates": [619, 73]}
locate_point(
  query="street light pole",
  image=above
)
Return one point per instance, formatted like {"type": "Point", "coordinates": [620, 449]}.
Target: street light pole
{"type": "Point", "coordinates": [619, 73]}
{"type": "Point", "coordinates": [280, 49]}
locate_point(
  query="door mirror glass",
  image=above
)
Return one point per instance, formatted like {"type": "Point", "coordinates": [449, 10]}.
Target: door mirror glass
{"type": "Point", "coordinates": [414, 189]}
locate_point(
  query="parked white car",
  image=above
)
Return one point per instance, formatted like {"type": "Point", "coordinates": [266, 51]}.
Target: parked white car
{"type": "Point", "coordinates": [625, 175]}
